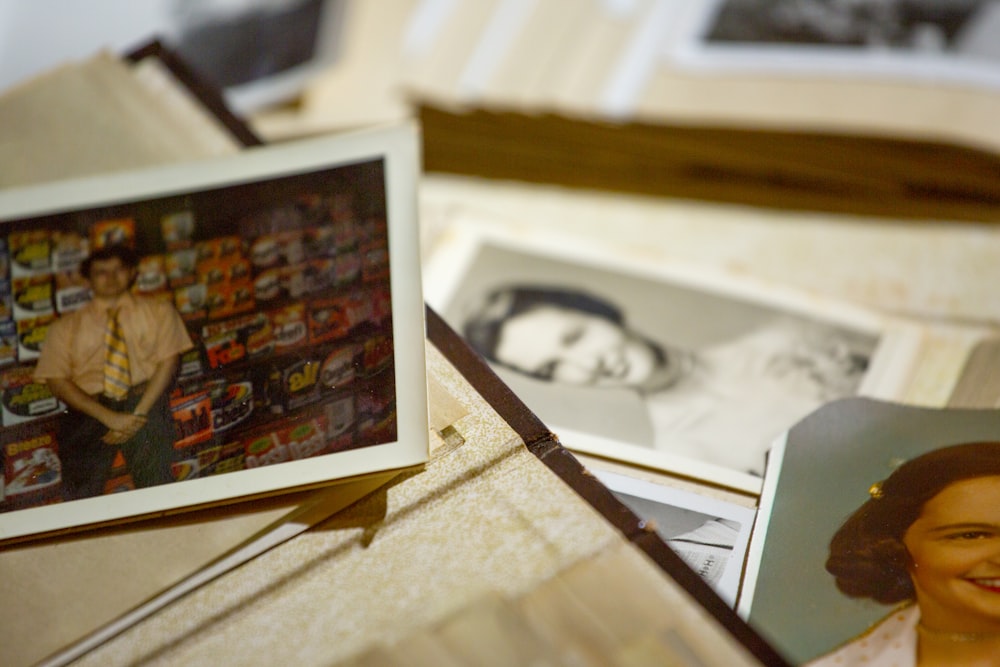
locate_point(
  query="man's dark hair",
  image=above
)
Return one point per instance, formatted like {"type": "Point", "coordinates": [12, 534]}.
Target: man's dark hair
{"type": "Point", "coordinates": [127, 256]}
{"type": "Point", "coordinates": [482, 329]}
{"type": "Point", "coordinates": [867, 554]}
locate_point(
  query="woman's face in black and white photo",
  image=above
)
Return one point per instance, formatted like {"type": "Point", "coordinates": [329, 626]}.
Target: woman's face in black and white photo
{"type": "Point", "coordinates": [568, 346]}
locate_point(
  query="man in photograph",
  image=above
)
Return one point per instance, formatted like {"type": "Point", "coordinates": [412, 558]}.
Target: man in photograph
{"type": "Point", "coordinates": [723, 403]}
{"type": "Point", "coordinates": [112, 363]}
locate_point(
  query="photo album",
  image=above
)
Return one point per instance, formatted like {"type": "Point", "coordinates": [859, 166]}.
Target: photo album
{"type": "Point", "coordinates": [198, 333]}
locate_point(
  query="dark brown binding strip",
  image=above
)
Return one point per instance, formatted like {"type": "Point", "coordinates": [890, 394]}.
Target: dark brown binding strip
{"type": "Point", "coordinates": [545, 445]}
{"type": "Point", "coordinates": [806, 171]}
{"type": "Point", "coordinates": [207, 94]}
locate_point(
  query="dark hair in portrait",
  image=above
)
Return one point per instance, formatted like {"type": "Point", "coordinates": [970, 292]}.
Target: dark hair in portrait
{"type": "Point", "coordinates": [124, 253]}
{"type": "Point", "coordinates": [483, 328]}
{"type": "Point", "coordinates": [867, 555]}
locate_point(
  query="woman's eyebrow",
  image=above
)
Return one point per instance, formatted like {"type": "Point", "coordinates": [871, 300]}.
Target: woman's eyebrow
{"type": "Point", "coordinates": [964, 526]}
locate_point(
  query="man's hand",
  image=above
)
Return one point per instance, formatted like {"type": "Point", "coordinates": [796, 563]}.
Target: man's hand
{"type": "Point", "coordinates": [121, 427]}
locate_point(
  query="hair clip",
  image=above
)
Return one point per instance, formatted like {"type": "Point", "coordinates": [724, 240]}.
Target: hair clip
{"type": "Point", "coordinates": [875, 490]}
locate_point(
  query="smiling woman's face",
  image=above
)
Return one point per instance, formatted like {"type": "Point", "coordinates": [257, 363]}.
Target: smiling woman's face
{"type": "Point", "coordinates": [569, 346]}
{"type": "Point", "coordinates": [955, 551]}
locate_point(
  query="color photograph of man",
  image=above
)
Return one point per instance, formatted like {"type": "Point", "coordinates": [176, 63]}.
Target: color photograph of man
{"type": "Point", "coordinates": [112, 363]}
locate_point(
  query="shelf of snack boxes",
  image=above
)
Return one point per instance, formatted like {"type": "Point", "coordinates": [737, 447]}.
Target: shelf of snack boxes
{"type": "Point", "coordinates": [292, 351]}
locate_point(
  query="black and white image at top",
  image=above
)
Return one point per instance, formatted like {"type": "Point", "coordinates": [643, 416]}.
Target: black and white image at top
{"type": "Point", "coordinates": [652, 363]}
{"type": "Point", "coordinates": [233, 43]}
{"type": "Point", "coordinates": [968, 27]}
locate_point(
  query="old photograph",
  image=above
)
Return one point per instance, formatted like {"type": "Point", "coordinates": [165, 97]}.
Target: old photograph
{"type": "Point", "coordinates": [220, 320]}
{"type": "Point", "coordinates": [709, 534]}
{"type": "Point", "coordinates": [645, 368]}
{"type": "Point", "coordinates": [879, 516]}
{"type": "Point", "coordinates": [953, 41]}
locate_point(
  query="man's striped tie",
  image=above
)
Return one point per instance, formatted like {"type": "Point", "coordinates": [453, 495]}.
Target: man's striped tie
{"type": "Point", "coordinates": [117, 378]}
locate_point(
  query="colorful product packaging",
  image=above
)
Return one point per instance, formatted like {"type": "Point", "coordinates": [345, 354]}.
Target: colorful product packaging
{"type": "Point", "coordinates": [339, 368]}
{"type": "Point", "coordinates": [117, 231]}
{"type": "Point", "coordinates": [8, 343]}
{"type": "Point", "coordinates": [265, 450]}
{"type": "Point", "coordinates": [191, 302]}
{"type": "Point", "coordinates": [228, 299]}
{"type": "Point", "coordinates": [220, 247]}
{"type": "Point", "coordinates": [374, 261]}
{"type": "Point", "coordinates": [69, 249]}
{"type": "Point", "coordinates": [232, 458]}
{"type": "Point", "coordinates": [6, 300]}
{"type": "Point", "coordinates": [182, 267]}
{"type": "Point", "coordinates": [177, 229]}
{"type": "Point", "coordinates": [192, 415]}
{"type": "Point", "coordinates": [4, 258]}
{"type": "Point", "coordinates": [119, 479]}
{"type": "Point", "coordinates": [378, 351]}
{"type": "Point", "coordinates": [30, 252]}
{"type": "Point", "coordinates": [303, 440]}
{"type": "Point", "coordinates": [72, 291]}
{"type": "Point", "coordinates": [236, 339]}
{"type": "Point", "coordinates": [293, 384]}
{"type": "Point", "coordinates": [31, 463]}
{"type": "Point", "coordinates": [339, 416]}
{"type": "Point", "coordinates": [334, 318]}
{"type": "Point", "coordinates": [31, 335]}
{"type": "Point", "coordinates": [24, 399]}
{"type": "Point", "coordinates": [32, 296]}
{"type": "Point", "coordinates": [289, 326]}
{"type": "Point", "coordinates": [232, 404]}
{"type": "Point", "coordinates": [151, 275]}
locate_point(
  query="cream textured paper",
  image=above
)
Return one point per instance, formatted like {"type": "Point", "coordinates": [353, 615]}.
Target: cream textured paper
{"type": "Point", "coordinates": [483, 516]}
{"type": "Point", "coordinates": [98, 116]}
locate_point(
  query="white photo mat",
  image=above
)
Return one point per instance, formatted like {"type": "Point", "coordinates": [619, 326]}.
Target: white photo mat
{"type": "Point", "coordinates": [451, 269]}
{"type": "Point", "coordinates": [396, 150]}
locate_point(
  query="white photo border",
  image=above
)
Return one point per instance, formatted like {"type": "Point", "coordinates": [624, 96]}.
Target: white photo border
{"type": "Point", "coordinates": [398, 148]}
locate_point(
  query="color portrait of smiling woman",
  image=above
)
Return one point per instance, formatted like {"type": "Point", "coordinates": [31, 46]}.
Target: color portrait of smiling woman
{"type": "Point", "coordinates": [928, 541]}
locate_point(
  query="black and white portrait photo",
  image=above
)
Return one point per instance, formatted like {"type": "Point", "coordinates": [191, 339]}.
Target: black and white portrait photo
{"type": "Point", "coordinates": [636, 362]}
{"type": "Point", "coordinates": [944, 25]}
{"type": "Point", "coordinates": [954, 41]}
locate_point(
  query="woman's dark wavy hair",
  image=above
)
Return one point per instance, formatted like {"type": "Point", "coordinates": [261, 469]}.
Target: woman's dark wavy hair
{"type": "Point", "coordinates": [867, 555]}
{"type": "Point", "coordinates": [482, 330]}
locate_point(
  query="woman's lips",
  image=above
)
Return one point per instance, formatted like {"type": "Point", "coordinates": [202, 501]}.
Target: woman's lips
{"type": "Point", "coordinates": [991, 585]}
